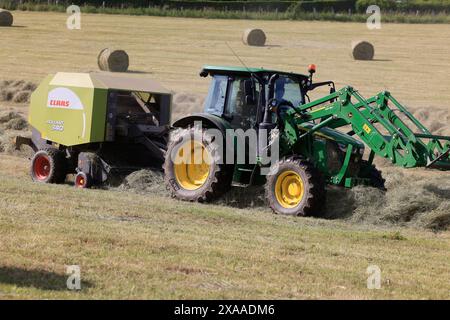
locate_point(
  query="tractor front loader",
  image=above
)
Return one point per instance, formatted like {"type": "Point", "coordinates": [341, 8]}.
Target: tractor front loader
{"type": "Point", "coordinates": [378, 125]}
{"type": "Point", "coordinates": [313, 148]}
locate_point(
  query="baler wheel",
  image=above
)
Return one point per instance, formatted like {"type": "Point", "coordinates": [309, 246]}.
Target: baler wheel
{"type": "Point", "coordinates": [82, 180]}
{"type": "Point", "coordinates": [48, 166]}
{"type": "Point", "coordinates": [295, 188]}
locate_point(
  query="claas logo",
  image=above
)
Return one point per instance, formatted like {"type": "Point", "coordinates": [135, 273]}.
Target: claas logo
{"type": "Point", "coordinates": [59, 103]}
{"type": "Point", "coordinates": [64, 98]}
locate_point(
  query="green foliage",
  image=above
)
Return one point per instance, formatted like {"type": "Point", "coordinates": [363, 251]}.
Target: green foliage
{"type": "Point", "coordinates": [322, 6]}
{"type": "Point", "coordinates": [425, 6]}
{"type": "Point", "coordinates": [428, 6]}
{"type": "Point", "coordinates": [362, 5]}
{"type": "Point", "coordinates": [231, 5]}
{"type": "Point", "coordinates": [326, 10]}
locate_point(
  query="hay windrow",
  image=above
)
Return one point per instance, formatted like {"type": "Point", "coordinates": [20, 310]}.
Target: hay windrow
{"type": "Point", "coordinates": [6, 117]}
{"type": "Point", "coordinates": [410, 202]}
{"type": "Point", "coordinates": [254, 37]}
{"type": "Point", "coordinates": [6, 18]}
{"type": "Point", "coordinates": [12, 124]}
{"type": "Point", "coordinates": [250, 197]}
{"type": "Point", "coordinates": [17, 91]}
{"type": "Point", "coordinates": [113, 60]}
{"type": "Point", "coordinates": [362, 50]}
{"type": "Point", "coordinates": [145, 181]}
{"type": "Point", "coordinates": [436, 120]}
{"type": "Point", "coordinates": [17, 124]}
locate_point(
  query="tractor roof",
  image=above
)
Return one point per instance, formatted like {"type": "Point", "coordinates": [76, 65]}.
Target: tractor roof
{"type": "Point", "coordinates": [106, 80]}
{"type": "Point", "coordinates": [212, 70]}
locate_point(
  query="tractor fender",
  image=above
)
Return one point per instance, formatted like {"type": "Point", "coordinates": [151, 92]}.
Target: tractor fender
{"type": "Point", "coordinates": [207, 120]}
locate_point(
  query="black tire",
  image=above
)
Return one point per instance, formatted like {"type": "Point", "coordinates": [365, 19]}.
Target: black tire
{"type": "Point", "coordinates": [311, 202]}
{"type": "Point", "coordinates": [83, 180]}
{"type": "Point", "coordinates": [48, 166]}
{"type": "Point", "coordinates": [374, 175]}
{"type": "Point", "coordinates": [219, 176]}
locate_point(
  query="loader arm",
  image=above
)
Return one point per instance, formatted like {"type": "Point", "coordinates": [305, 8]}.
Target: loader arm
{"type": "Point", "coordinates": [377, 123]}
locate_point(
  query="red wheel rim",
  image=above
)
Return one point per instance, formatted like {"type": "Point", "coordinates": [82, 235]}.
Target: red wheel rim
{"type": "Point", "coordinates": [80, 181]}
{"type": "Point", "coordinates": [41, 167]}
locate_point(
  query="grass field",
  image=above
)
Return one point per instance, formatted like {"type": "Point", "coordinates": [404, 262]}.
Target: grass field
{"type": "Point", "coordinates": [140, 246]}
{"type": "Point", "coordinates": [132, 245]}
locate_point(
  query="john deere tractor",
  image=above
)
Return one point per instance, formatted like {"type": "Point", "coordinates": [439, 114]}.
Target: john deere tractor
{"type": "Point", "coordinates": [312, 151]}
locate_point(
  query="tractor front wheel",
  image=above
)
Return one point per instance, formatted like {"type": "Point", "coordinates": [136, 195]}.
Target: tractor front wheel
{"type": "Point", "coordinates": [295, 187]}
{"type": "Point", "coordinates": [192, 168]}
{"type": "Point", "coordinates": [48, 166]}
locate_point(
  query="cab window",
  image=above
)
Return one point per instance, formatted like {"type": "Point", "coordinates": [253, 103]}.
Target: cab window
{"type": "Point", "coordinates": [240, 110]}
{"type": "Point", "coordinates": [288, 89]}
{"type": "Point", "coordinates": [215, 101]}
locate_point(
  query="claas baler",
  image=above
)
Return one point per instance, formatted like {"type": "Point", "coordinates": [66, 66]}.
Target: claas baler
{"type": "Point", "coordinates": [95, 125]}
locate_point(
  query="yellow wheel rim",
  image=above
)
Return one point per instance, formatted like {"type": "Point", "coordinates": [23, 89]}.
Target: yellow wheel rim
{"type": "Point", "coordinates": [289, 189]}
{"type": "Point", "coordinates": [192, 163]}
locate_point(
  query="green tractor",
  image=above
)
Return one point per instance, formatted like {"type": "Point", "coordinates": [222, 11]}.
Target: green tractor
{"type": "Point", "coordinates": [310, 152]}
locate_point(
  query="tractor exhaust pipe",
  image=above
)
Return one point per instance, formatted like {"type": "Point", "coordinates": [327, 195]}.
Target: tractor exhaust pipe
{"type": "Point", "coordinates": [267, 120]}
{"type": "Point", "coordinates": [267, 125]}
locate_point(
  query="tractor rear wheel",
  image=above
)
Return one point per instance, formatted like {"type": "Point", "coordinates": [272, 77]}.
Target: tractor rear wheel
{"type": "Point", "coordinates": [295, 188]}
{"type": "Point", "coordinates": [48, 166]}
{"type": "Point", "coordinates": [192, 168]}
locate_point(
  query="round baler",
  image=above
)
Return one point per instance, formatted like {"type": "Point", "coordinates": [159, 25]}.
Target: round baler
{"type": "Point", "coordinates": [96, 124]}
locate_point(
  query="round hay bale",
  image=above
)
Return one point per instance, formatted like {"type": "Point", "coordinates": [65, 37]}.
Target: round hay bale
{"type": "Point", "coordinates": [6, 18]}
{"type": "Point", "coordinates": [113, 60]}
{"type": "Point", "coordinates": [254, 37]}
{"type": "Point", "coordinates": [362, 50]}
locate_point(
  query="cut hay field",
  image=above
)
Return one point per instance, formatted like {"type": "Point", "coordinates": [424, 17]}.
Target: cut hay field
{"type": "Point", "coordinates": [147, 246]}
{"type": "Point", "coordinates": [411, 60]}
{"type": "Point", "coordinates": [132, 244]}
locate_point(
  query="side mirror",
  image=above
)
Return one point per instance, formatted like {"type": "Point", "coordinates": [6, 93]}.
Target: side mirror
{"type": "Point", "coordinates": [249, 92]}
{"type": "Point", "coordinates": [332, 90]}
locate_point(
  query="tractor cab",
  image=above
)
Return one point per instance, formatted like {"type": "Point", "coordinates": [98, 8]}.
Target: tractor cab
{"type": "Point", "coordinates": [252, 98]}
{"type": "Point", "coordinates": [239, 95]}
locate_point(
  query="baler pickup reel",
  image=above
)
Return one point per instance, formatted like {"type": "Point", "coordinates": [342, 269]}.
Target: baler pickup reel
{"type": "Point", "coordinates": [381, 122]}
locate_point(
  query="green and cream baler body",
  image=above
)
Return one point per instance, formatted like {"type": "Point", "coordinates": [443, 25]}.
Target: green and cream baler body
{"type": "Point", "coordinates": [94, 123]}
